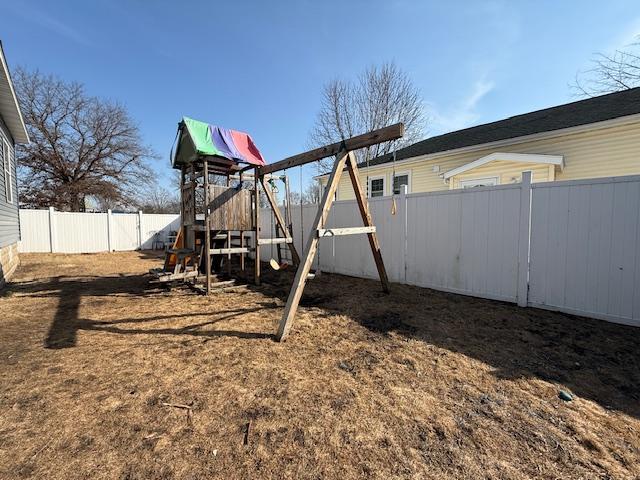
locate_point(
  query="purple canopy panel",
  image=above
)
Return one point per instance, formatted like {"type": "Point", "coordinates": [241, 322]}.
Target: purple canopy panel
{"type": "Point", "coordinates": [223, 140]}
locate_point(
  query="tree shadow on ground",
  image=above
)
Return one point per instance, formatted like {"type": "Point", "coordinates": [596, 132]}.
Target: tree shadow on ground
{"type": "Point", "coordinates": [69, 291]}
{"type": "Point", "coordinates": [594, 359]}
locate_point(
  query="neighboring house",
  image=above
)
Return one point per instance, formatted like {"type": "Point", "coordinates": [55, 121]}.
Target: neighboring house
{"type": "Point", "coordinates": [12, 131]}
{"type": "Point", "coordinates": [596, 137]}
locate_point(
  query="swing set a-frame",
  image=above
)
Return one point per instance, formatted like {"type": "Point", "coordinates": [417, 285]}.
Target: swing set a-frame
{"type": "Point", "coordinates": [211, 220]}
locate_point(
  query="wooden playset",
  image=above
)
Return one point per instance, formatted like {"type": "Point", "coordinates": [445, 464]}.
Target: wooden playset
{"type": "Point", "coordinates": [220, 213]}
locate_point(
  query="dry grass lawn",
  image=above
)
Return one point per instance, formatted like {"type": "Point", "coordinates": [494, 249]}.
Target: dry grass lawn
{"type": "Point", "coordinates": [417, 384]}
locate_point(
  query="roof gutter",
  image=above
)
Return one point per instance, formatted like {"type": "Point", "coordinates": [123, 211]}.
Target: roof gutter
{"type": "Point", "coordinates": [19, 131]}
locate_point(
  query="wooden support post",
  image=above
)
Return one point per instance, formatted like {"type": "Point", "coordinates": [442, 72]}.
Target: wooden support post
{"type": "Point", "coordinates": [363, 205]}
{"type": "Point", "coordinates": [312, 244]}
{"type": "Point", "coordinates": [183, 227]}
{"type": "Point", "coordinates": [228, 236]}
{"type": "Point", "coordinates": [241, 236]}
{"type": "Point", "coordinates": [257, 228]}
{"type": "Point", "coordinates": [207, 230]}
{"type": "Point", "coordinates": [242, 246]}
{"type": "Point", "coordinates": [282, 224]}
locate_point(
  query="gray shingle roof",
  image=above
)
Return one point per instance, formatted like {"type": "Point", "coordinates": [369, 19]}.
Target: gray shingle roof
{"type": "Point", "coordinates": [582, 112]}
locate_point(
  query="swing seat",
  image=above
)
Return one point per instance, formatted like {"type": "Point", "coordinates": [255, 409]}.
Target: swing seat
{"type": "Point", "coordinates": [278, 266]}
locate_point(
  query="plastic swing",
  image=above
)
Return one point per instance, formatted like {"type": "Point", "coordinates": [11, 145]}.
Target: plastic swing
{"type": "Point", "coordinates": [273, 263]}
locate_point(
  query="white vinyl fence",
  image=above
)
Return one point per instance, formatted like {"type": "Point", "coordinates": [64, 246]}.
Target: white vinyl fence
{"type": "Point", "coordinates": [461, 241]}
{"type": "Point", "coordinates": [585, 248]}
{"type": "Point", "coordinates": [67, 232]}
{"type": "Point", "coordinates": [569, 246]}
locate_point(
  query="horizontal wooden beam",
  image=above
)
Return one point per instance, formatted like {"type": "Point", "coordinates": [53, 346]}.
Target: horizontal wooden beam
{"type": "Point", "coordinates": [274, 241]}
{"type": "Point", "coordinates": [221, 251]}
{"type": "Point", "coordinates": [250, 176]}
{"type": "Point", "coordinates": [335, 232]}
{"type": "Point", "coordinates": [222, 284]}
{"type": "Point", "coordinates": [392, 132]}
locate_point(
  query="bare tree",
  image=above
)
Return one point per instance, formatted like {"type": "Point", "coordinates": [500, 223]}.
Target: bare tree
{"type": "Point", "coordinates": [381, 96]}
{"type": "Point", "coordinates": [157, 199]}
{"type": "Point", "coordinates": [311, 194]}
{"type": "Point", "coordinates": [613, 72]}
{"type": "Point", "coordinates": [80, 147]}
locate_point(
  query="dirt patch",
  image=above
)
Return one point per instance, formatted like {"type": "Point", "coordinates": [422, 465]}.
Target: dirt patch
{"type": "Point", "coordinates": [104, 376]}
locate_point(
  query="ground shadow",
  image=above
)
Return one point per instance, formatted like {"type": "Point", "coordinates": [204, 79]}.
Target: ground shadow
{"type": "Point", "coordinates": [69, 291]}
{"type": "Point", "coordinates": [593, 359]}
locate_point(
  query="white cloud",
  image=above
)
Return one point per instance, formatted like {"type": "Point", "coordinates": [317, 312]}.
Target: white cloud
{"type": "Point", "coordinates": [464, 113]}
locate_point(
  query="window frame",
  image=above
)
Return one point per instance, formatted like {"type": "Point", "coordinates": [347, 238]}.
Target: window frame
{"type": "Point", "coordinates": [384, 186]}
{"type": "Point", "coordinates": [466, 183]}
{"type": "Point", "coordinates": [7, 171]}
{"type": "Point", "coordinates": [400, 174]}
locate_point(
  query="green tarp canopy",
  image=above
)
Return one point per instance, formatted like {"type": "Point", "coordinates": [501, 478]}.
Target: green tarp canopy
{"type": "Point", "coordinates": [199, 139]}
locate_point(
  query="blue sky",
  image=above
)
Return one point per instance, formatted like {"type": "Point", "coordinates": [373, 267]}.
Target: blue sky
{"type": "Point", "coordinates": [260, 66]}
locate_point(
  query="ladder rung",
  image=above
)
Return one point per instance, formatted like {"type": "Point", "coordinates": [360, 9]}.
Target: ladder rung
{"type": "Point", "coordinates": [274, 241]}
{"type": "Point", "coordinates": [334, 232]}
{"type": "Point", "coordinates": [220, 251]}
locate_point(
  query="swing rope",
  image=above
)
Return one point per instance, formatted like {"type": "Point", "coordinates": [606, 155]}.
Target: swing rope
{"type": "Point", "coordinates": [271, 232]}
{"type": "Point", "coordinates": [301, 212]}
{"type": "Point", "coordinates": [322, 226]}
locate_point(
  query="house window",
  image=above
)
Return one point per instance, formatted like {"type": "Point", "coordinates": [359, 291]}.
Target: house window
{"type": "Point", "coordinates": [6, 161]}
{"type": "Point", "coordinates": [399, 180]}
{"type": "Point", "coordinates": [376, 187]}
{"type": "Point", "coordinates": [479, 182]}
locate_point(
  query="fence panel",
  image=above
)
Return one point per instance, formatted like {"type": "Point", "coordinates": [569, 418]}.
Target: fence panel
{"type": "Point", "coordinates": [65, 232]}
{"type": "Point", "coordinates": [465, 241]}
{"type": "Point", "coordinates": [80, 232]}
{"type": "Point", "coordinates": [35, 235]}
{"type": "Point", "coordinates": [125, 233]}
{"type": "Point", "coordinates": [158, 226]}
{"type": "Point", "coordinates": [351, 254]}
{"type": "Point", "coordinates": [585, 248]}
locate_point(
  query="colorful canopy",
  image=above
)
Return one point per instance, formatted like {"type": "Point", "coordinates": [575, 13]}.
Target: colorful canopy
{"type": "Point", "coordinates": [199, 138]}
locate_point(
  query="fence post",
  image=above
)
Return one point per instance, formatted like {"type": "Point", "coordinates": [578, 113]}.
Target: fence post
{"type": "Point", "coordinates": [524, 236]}
{"type": "Point", "coordinates": [52, 230]}
{"type": "Point", "coordinates": [405, 229]}
{"type": "Point", "coordinates": [140, 229]}
{"type": "Point", "coordinates": [109, 231]}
